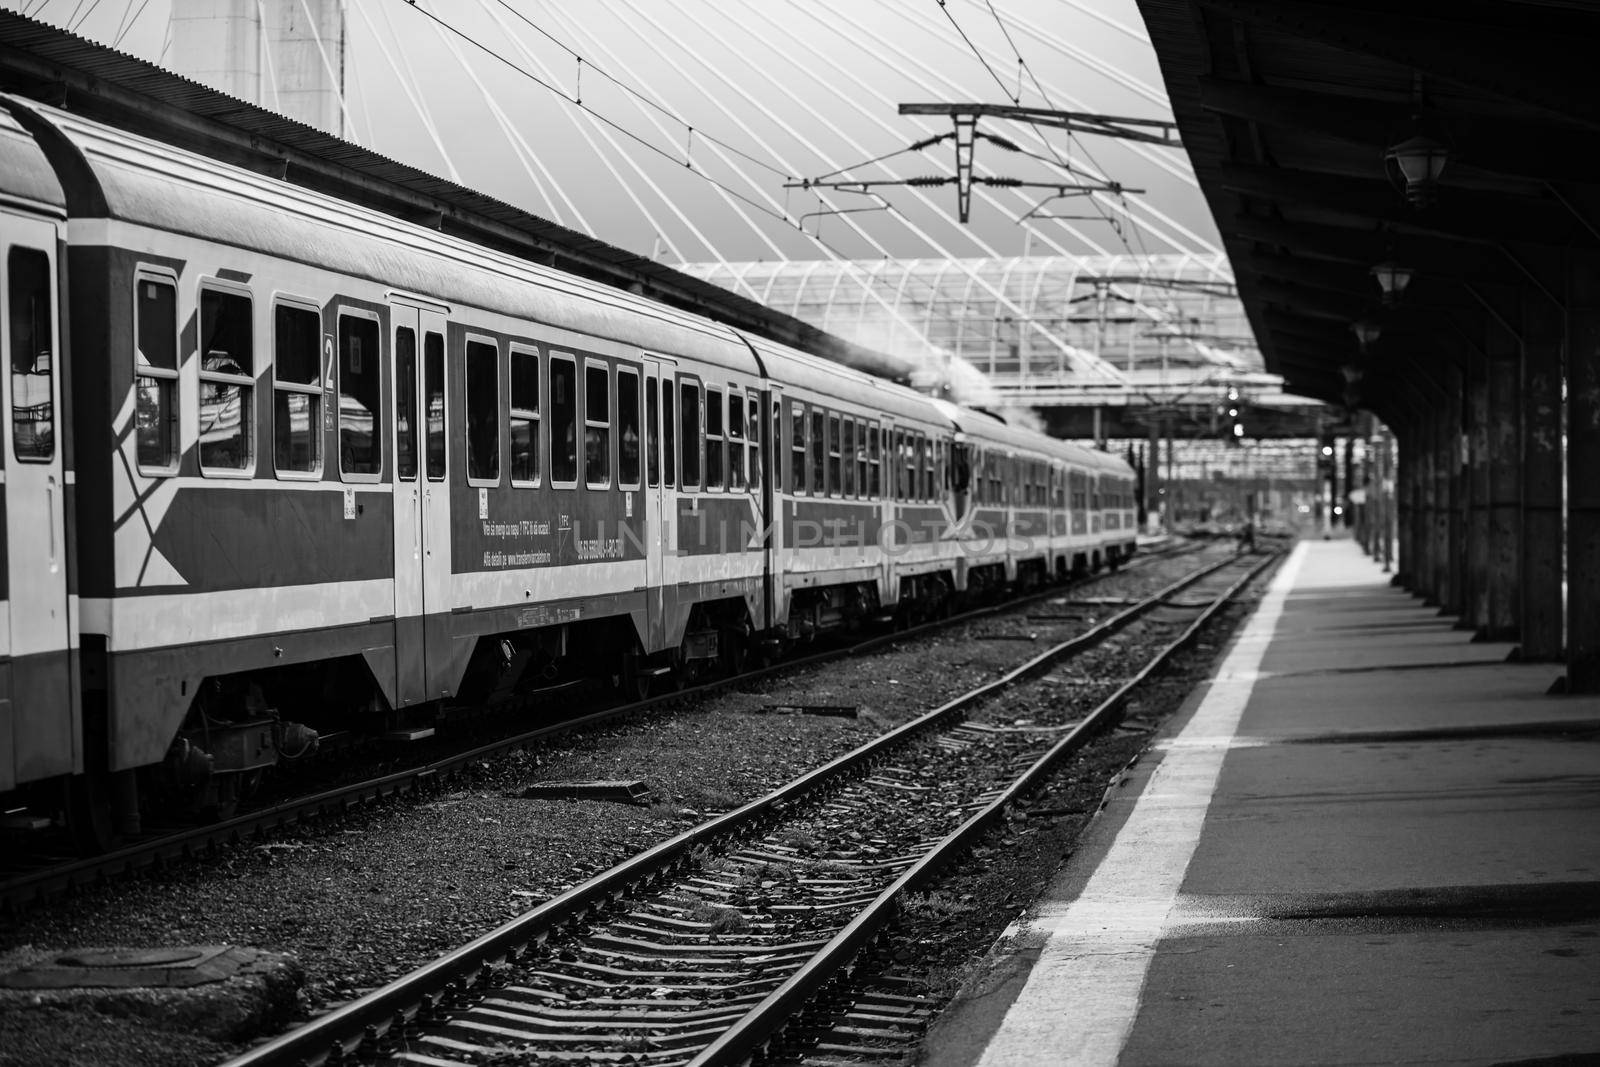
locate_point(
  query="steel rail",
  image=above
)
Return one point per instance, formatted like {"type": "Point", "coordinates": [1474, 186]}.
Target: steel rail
{"type": "Point", "coordinates": [765, 1023]}
{"type": "Point", "coordinates": [344, 1029]}
{"type": "Point", "coordinates": [194, 841]}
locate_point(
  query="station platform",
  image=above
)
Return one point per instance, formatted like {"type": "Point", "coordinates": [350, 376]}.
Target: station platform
{"type": "Point", "coordinates": [1366, 840]}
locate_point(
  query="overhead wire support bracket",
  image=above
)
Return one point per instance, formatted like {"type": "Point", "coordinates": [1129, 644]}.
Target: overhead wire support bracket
{"type": "Point", "coordinates": [1148, 131]}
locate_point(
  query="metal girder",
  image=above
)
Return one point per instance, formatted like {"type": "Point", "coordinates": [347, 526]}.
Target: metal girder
{"type": "Point", "coordinates": [1338, 244]}
{"type": "Point", "coordinates": [1148, 131]}
{"type": "Point", "coordinates": [1542, 151]}
{"type": "Point", "coordinates": [1462, 214]}
{"type": "Point", "coordinates": [1465, 50]}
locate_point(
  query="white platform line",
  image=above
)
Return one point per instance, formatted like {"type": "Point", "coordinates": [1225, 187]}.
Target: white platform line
{"type": "Point", "coordinates": [1079, 1002]}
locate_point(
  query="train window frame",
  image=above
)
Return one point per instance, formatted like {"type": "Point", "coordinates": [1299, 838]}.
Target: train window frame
{"type": "Point", "coordinates": [171, 376]}
{"type": "Point", "coordinates": [753, 408]}
{"type": "Point", "coordinates": [818, 437]}
{"type": "Point", "coordinates": [553, 357]}
{"type": "Point", "coordinates": [397, 395]}
{"type": "Point", "coordinates": [874, 461]}
{"type": "Point", "coordinates": [531, 417]}
{"type": "Point", "coordinates": [494, 419]}
{"type": "Point", "coordinates": [317, 391]}
{"type": "Point", "coordinates": [622, 411]}
{"type": "Point", "coordinates": [603, 426]}
{"type": "Point", "coordinates": [847, 459]}
{"type": "Point", "coordinates": [799, 447]}
{"type": "Point", "coordinates": [775, 449]}
{"type": "Point", "coordinates": [733, 431]}
{"type": "Point", "coordinates": [358, 314]}
{"type": "Point", "coordinates": [442, 472]}
{"type": "Point", "coordinates": [245, 382]}
{"type": "Point", "coordinates": [691, 427]}
{"type": "Point", "coordinates": [20, 279]}
{"type": "Point", "coordinates": [835, 454]}
{"type": "Point", "coordinates": [669, 430]}
{"type": "Point", "coordinates": [652, 429]}
{"type": "Point", "coordinates": [712, 473]}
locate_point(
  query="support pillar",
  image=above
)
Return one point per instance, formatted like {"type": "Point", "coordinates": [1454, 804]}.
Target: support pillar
{"type": "Point", "coordinates": [1475, 496]}
{"type": "Point", "coordinates": [1385, 486]}
{"type": "Point", "coordinates": [1452, 454]}
{"type": "Point", "coordinates": [1583, 489]}
{"type": "Point", "coordinates": [1540, 617]}
{"type": "Point", "coordinates": [1504, 463]}
{"type": "Point", "coordinates": [1405, 505]}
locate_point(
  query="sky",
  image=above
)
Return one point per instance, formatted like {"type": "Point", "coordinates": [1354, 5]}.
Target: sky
{"type": "Point", "coordinates": [695, 115]}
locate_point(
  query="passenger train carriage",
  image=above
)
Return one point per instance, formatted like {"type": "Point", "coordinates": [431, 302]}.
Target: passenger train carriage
{"type": "Point", "coordinates": [303, 466]}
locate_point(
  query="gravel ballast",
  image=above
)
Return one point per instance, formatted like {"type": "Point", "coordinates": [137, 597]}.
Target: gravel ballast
{"type": "Point", "coordinates": [368, 897]}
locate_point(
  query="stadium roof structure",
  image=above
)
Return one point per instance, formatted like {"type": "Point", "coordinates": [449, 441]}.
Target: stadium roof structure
{"type": "Point", "coordinates": [1028, 331]}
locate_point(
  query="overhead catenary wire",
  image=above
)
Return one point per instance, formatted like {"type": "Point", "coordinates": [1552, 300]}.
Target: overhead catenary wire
{"type": "Point", "coordinates": [596, 44]}
{"type": "Point", "coordinates": [530, 160]}
{"type": "Point", "coordinates": [638, 96]}
{"type": "Point", "coordinates": [1084, 358]}
{"type": "Point", "coordinates": [638, 170]}
{"type": "Point", "coordinates": [407, 79]}
{"type": "Point", "coordinates": [549, 85]}
{"type": "Point", "coordinates": [1142, 150]}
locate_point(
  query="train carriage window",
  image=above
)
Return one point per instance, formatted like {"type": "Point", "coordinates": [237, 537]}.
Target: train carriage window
{"type": "Point", "coordinates": [848, 451]}
{"type": "Point", "coordinates": [155, 383]}
{"type": "Point", "coordinates": [297, 388]}
{"type": "Point", "coordinates": [433, 404]}
{"type": "Point", "coordinates": [713, 437]}
{"type": "Point", "coordinates": [797, 447]}
{"type": "Point", "coordinates": [897, 460]}
{"type": "Point", "coordinates": [669, 436]}
{"type": "Point", "coordinates": [776, 445]}
{"type": "Point", "coordinates": [861, 458]}
{"type": "Point", "coordinates": [596, 425]}
{"type": "Point", "coordinates": [360, 445]}
{"type": "Point", "coordinates": [405, 403]}
{"type": "Point", "coordinates": [753, 443]}
{"type": "Point", "coordinates": [834, 484]}
{"type": "Point", "coordinates": [874, 463]}
{"type": "Point", "coordinates": [652, 430]}
{"type": "Point", "coordinates": [929, 485]}
{"type": "Point", "coordinates": [32, 333]}
{"type": "Point", "coordinates": [627, 428]}
{"type": "Point", "coordinates": [735, 439]}
{"type": "Point", "coordinates": [563, 421]}
{"type": "Point", "coordinates": [525, 416]}
{"type": "Point", "coordinates": [819, 452]}
{"type": "Point", "coordinates": [227, 381]}
{"type": "Point", "coordinates": [483, 411]}
{"type": "Point", "coordinates": [689, 410]}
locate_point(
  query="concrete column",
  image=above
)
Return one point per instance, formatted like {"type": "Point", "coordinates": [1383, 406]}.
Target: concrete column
{"type": "Point", "coordinates": [1385, 485]}
{"type": "Point", "coordinates": [1583, 488]}
{"type": "Point", "coordinates": [1405, 463]}
{"type": "Point", "coordinates": [1429, 509]}
{"type": "Point", "coordinates": [218, 44]}
{"type": "Point", "coordinates": [1504, 462]}
{"type": "Point", "coordinates": [1540, 615]}
{"type": "Point", "coordinates": [1475, 496]}
{"type": "Point", "coordinates": [1452, 526]}
{"type": "Point", "coordinates": [283, 55]}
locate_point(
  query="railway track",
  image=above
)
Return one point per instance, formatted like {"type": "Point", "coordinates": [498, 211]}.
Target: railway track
{"type": "Point", "coordinates": [738, 938]}
{"type": "Point", "coordinates": [39, 877]}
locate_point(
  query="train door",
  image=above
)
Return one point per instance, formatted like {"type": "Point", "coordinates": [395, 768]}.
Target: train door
{"type": "Point", "coordinates": [421, 501]}
{"type": "Point", "coordinates": [37, 722]}
{"type": "Point", "coordinates": [657, 505]}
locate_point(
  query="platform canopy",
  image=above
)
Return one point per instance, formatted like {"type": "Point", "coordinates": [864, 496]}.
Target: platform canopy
{"type": "Point", "coordinates": [1445, 150]}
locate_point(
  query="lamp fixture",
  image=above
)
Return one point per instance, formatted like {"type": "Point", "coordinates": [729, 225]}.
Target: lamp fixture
{"type": "Point", "coordinates": [1367, 332]}
{"type": "Point", "coordinates": [1421, 160]}
{"type": "Point", "coordinates": [1392, 278]}
{"type": "Point", "coordinates": [1352, 373]}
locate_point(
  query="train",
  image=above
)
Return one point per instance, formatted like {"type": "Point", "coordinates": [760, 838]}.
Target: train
{"type": "Point", "coordinates": [279, 466]}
